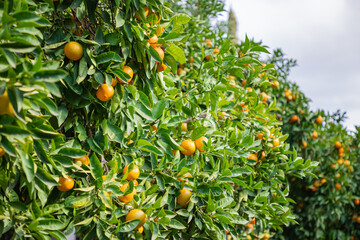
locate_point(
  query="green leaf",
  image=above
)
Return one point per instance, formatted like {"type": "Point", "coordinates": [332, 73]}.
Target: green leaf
{"type": "Point", "coordinates": [25, 16]}
{"type": "Point", "coordinates": [159, 108]}
{"type": "Point", "coordinates": [129, 226]}
{"type": "Point", "coordinates": [198, 132]}
{"type": "Point", "coordinates": [27, 165]}
{"type": "Point", "coordinates": [225, 47]}
{"type": "Point", "coordinates": [95, 167]}
{"type": "Point", "coordinates": [50, 224]}
{"type": "Point", "coordinates": [49, 75]}
{"type": "Point", "coordinates": [177, 53]}
{"type": "Point", "coordinates": [13, 131]}
{"type": "Point", "coordinates": [72, 152]}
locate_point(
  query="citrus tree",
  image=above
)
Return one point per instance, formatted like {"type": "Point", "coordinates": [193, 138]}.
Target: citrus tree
{"type": "Point", "coordinates": [327, 202]}
{"type": "Point", "coordinates": [127, 119]}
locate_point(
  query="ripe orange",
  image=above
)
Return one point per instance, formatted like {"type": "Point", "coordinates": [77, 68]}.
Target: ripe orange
{"type": "Point", "coordinates": [191, 60]}
{"type": "Point", "coordinates": [161, 67]}
{"type": "Point", "coordinates": [199, 143]}
{"type": "Point", "coordinates": [249, 89]}
{"type": "Point", "coordinates": [263, 155]}
{"type": "Point", "coordinates": [105, 92]}
{"type": "Point", "coordinates": [114, 82]}
{"type": "Point", "coordinates": [333, 166]}
{"type": "Point", "coordinates": [338, 175]}
{"type": "Point", "coordinates": [184, 176]}
{"type": "Point", "coordinates": [316, 184]}
{"type": "Point", "coordinates": [128, 70]}
{"type": "Point", "coordinates": [276, 142]}
{"type": "Point", "coordinates": [313, 189]}
{"type": "Point", "coordinates": [65, 184]}
{"type": "Point", "coordinates": [208, 42]}
{"type": "Point", "coordinates": [189, 147]}
{"type": "Point", "coordinates": [358, 219]}
{"type": "Point", "coordinates": [250, 226]}
{"type": "Point", "coordinates": [184, 127]}
{"type": "Point", "coordinates": [207, 58]}
{"type": "Point", "coordinates": [160, 52]}
{"type": "Point", "coordinates": [141, 229]}
{"type": "Point", "coordinates": [146, 9]}
{"type": "Point", "coordinates": [253, 221]}
{"type": "Point", "coordinates": [184, 198]}
{"type": "Point", "coordinates": [340, 161]}
{"type": "Point", "coordinates": [73, 51]}
{"type": "Point", "coordinates": [5, 105]}
{"type": "Point", "coordinates": [293, 119]}
{"type": "Point", "coordinates": [216, 51]}
{"type": "Point", "coordinates": [153, 39]}
{"type": "Point", "coordinates": [128, 197]}
{"type": "Point", "coordinates": [153, 127]}
{"type": "Point", "coordinates": [304, 144]}
{"type": "Point", "coordinates": [337, 186]}
{"type": "Point", "coordinates": [314, 135]}
{"type": "Point", "coordinates": [180, 71]}
{"type": "Point", "coordinates": [266, 236]}
{"type": "Point", "coordinates": [341, 151]}
{"type": "Point", "coordinates": [82, 160]}
{"type": "Point", "coordinates": [347, 163]}
{"type": "Point", "coordinates": [133, 174]}
{"type": "Point", "coordinates": [259, 136]}
{"type": "Point", "coordinates": [136, 214]}
{"type": "Point", "coordinates": [253, 157]}
{"type": "Point", "coordinates": [263, 96]}
{"type": "Point", "coordinates": [319, 120]}
{"type": "Point", "coordinates": [243, 83]}
{"type": "Point", "coordinates": [337, 144]}
{"type": "Point", "coordinates": [356, 201]}
{"type": "Point", "coordinates": [2, 152]}
{"type": "Point", "coordinates": [323, 181]}
{"type": "Point", "coordinates": [275, 84]}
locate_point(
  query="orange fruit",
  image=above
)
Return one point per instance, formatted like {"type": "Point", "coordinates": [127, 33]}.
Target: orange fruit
{"type": "Point", "coordinates": [5, 105]}
{"type": "Point", "coordinates": [232, 83]}
{"type": "Point", "coordinates": [341, 151]}
{"type": "Point", "coordinates": [136, 214]}
{"type": "Point", "coordinates": [180, 71]}
{"type": "Point", "coordinates": [356, 201]}
{"type": "Point", "coordinates": [65, 184]}
{"type": "Point", "coordinates": [253, 221]}
{"type": "Point", "coordinates": [337, 144]}
{"type": "Point", "coordinates": [266, 236]}
{"type": "Point", "coordinates": [128, 70]}
{"type": "Point", "coordinates": [159, 31]}
{"type": "Point", "coordinates": [208, 42]}
{"type": "Point", "coordinates": [263, 96]}
{"type": "Point", "coordinates": [191, 60]}
{"type": "Point", "coordinates": [338, 175]}
{"type": "Point", "coordinates": [304, 144]}
{"type": "Point", "coordinates": [73, 51]}
{"type": "Point", "coordinates": [128, 197]}
{"type": "Point", "coordinates": [314, 135]}
{"type": "Point", "coordinates": [207, 58]}
{"type": "Point", "coordinates": [333, 166]}
{"type": "Point", "coordinates": [158, 18]}
{"type": "Point", "coordinates": [347, 163]}
{"type": "Point", "coordinates": [161, 67]}
{"type": "Point", "coordinates": [141, 229]}
{"type": "Point", "coordinates": [226, 231]}
{"type": "Point", "coordinates": [199, 143]}
{"type": "Point", "coordinates": [316, 184]}
{"type": "Point", "coordinates": [313, 189]}
{"type": "Point", "coordinates": [250, 226]}
{"type": "Point", "coordinates": [263, 155]}
{"type": "Point", "coordinates": [323, 181]}
{"type": "Point", "coordinates": [133, 174]}
{"type": "Point", "coordinates": [153, 39]}
{"type": "Point", "coordinates": [105, 92]}
{"type": "Point", "coordinates": [114, 82]}
{"type": "Point", "coordinates": [243, 83]}
{"type": "Point", "coordinates": [189, 147]}
{"type": "Point", "coordinates": [216, 51]}
{"type": "Point", "coordinates": [319, 120]}
{"type": "Point", "coordinates": [82, 160]}
{"type": "Point", "coordinates": [184, 176]}
{"type": "Point", "coordinates": [253, 157]}
{"type": "Point", "coordinates": [337, 186]}
{"type": "Point", "coordinates": [293, 119]}
{"type": "Point", "coordinates": [146, 10]}
{"type": "Point", "coordinates": [340, 161]}
{"type": "Point", "coordinates": [2, 152]}
{"type": "Point", "coordinates": [275, 84]}
{"type": "Point", "coordinates": [358, 219]}
{"type": "Point", "coordinates": [160, 52]}
{"type": "Point", "coordinates": [249, 89]}
{"type": "Point", "coordinates": [276, 142]}
{"type": "Point", "coordinates": [259, 136]}
{"type": "Point", "coordinates": [153, 127]}
{"type": "Point", "coordinates": [184, 198]}
{"type": "Point", "coordinates": [130, 142]}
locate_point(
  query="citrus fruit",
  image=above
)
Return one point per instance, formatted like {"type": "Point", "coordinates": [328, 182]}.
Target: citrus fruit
{"type": "Point", "coordinates": [275, 84]}
{"type": "Point", "coordinates": [114, 82]}
{"type": "Point", "coordinates": [146, 10]}
{"type": "Point", "coordinates": [337, 144]}
{"type": "Point", "coordinates": [160, 52]}
{"type": "Point", "coordinates": [304, 144]}
{"type": "Point", "coordinates": [276, 142]}
{"type": "Point", "coordinates": [136, 214]}
{"type": "Point", "coordinates": [153, 39]}
{"type": "Point", "coordinates": [293, 119]}
{"type": "Point", "coordinates": [189, 147]}
{"type": "Point", "coordinates": [105, 92]}
{"type": "Point", "coordinates": [253, 157]}
{"type": "Point", "coordinates": [314, 135]}
{"type": "Point", "coordinates": [184, 176]}
{"type": "Point", "coordinates": [73, 51]}
{"type": "Point", "coordinates": [216, 51]}
{"type": "Point", "coordinates": [323, 181]}
{"type": "Point", "coordinates": [65, 184]}
{"type": "Point", "coordinates": [266, 236]}
{"type": "Point", "coordinates": [180, 71]}
{"type": "Point", "coordinates": [133, 174]}
{"type": "Point", "coordinates": [199, 143]}
{"type": "Point", "coordinates": [82, 160]}
{"type": "Point", "coordinates": [337, 186]}
{"type": "Point", "coordinates": [161, 67]}
{"type": "Point", "coordinates": [5, 105]}
{"type": "Point", "coordinates": [319, 120]}
{"type": "Point", "coordinates": [128, 70]}
{"type": "Point", "coordinates": [128, 197]}
{"type": "Point", "coordinates": [208, 42]}
{"type": "Point", "coordinates": [141, 229]}
{"type": "Point", "coordinates": [2, 152]}
{"type": "Point", "coordinates": [184, 198]}
{"type": "Point", "coordinates": [356, 201]}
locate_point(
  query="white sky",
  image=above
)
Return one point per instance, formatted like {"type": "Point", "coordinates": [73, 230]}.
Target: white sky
{"type": "Point", "coordinates": [324, 37]}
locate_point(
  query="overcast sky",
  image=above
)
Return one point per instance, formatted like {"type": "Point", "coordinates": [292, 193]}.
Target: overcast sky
{"type": "Point", "coordinates": [324, 37]}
